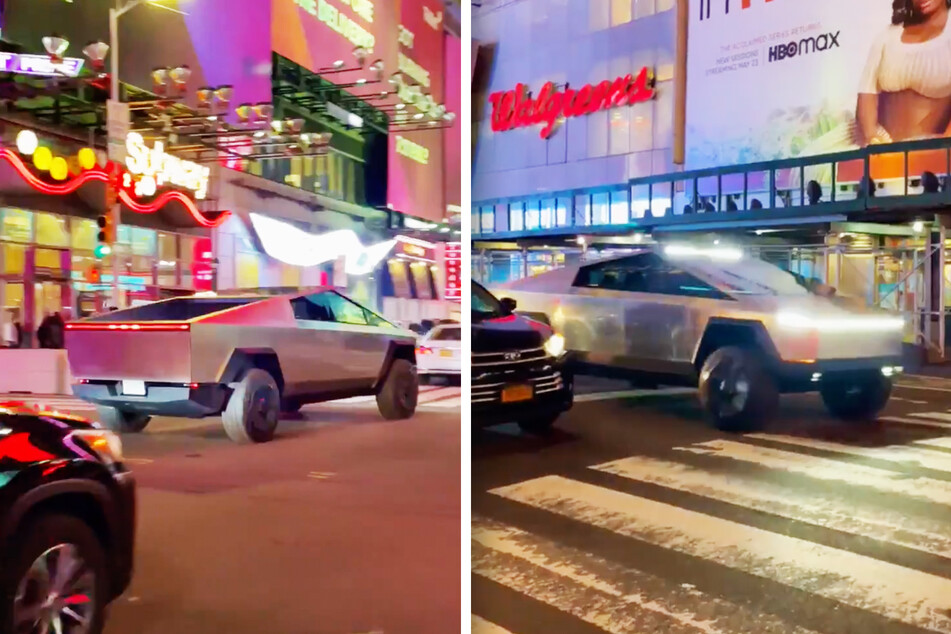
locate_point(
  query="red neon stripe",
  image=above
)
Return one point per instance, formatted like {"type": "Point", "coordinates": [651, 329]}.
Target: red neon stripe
{"type": "Point", "coordinates": [127, 327]}
{"type": "Point", "coordinates": [100, 175]}
{"type": "Point", "coordinates": [160, 202]}
{"type": "Point", "coordinates": [46, 188]}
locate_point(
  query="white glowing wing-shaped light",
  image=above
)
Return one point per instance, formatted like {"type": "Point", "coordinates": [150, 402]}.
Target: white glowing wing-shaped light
{"type": "Point", "coordinates": [291, 245]}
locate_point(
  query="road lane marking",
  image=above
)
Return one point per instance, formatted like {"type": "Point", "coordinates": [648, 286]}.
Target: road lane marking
{"type": "Point", "coordinates": [895, 592]}
{"type": "Point", "coordinates": [828, 469]}
{"type": "Point", "coordinates": [909, 386]}
{"type": "Point", "coordinates": [631, 394]}
{"type": "Point", "coordinates": [603, 593]}
{"type": "Point", "coordinates": [321, 475]}
{"type": "Point", "coordinates": [817, 506]}
{"type": "Point", "coordinates": [901, 454]}
{"type": "Point", "coordinates": [138, 461]}
{"type": "Point", "coordinates": [942, 416]}
{"type": "Point", "coordinates": [481, 626]}
{"type": "Point", "coordinates": [915, 422]}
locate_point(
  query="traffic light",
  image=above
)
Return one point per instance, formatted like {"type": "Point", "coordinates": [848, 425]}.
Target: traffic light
{"type": "Point", "coordinates": [92, 274]}
{"type": "Point", "coordinates": [106, 237]}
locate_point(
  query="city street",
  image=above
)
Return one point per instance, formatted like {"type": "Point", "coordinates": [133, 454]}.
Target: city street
{"type": "Point", "coordinates": [344, 523]}
{"type": "Point", "coordinates": [636, 516]}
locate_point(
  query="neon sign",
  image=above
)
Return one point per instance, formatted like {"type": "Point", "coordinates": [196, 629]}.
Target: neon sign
{"type": "Point", "coordinates": [288, 244]}
{"type": "Point", "coordinates": [453, 257]}
{"type": "Point", "coordinates": [40, 65]}
{"type": "Point", "coordinates": [157, 168]}
{"type": "Point", "coordinates": [517, 109]}
{"type": "Point", "coordinates": [411, 150]}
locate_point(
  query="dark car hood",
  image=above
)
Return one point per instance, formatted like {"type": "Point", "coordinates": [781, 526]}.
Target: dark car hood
{"type": "Point", "coordinates": [513, 332]}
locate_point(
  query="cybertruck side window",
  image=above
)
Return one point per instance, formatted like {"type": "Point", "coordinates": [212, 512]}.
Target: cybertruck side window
{"type": "Point", "coordinates": [645, 273]}
{"type": "Point", "coordinates": [312, 308]}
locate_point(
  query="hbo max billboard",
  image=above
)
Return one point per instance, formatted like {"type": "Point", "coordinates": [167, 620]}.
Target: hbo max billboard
{"type": "Point", "coordinates": [771, 79]}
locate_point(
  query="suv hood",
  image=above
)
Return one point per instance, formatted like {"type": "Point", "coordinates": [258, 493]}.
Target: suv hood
{"type": "Point", "coordinates": [512, 332]}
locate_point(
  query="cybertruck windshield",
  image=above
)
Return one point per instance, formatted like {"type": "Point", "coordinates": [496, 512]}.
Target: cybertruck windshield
{"type": "Point", "coordinates": [750, 276]}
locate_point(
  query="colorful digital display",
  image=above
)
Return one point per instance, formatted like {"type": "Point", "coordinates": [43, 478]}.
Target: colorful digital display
{"type": "Point", "coordinates": [773, 79]}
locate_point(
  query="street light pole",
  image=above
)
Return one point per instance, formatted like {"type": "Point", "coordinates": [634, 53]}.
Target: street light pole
{"type": "Point", "coordinates": [116, 210]}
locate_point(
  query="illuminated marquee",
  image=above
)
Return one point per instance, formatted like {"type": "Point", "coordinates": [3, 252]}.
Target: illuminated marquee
{"type": "Point", "coordinates": [340, 22]}
{"type": "Point", "coordinates": [517, 109]}
{"type": "Point", "coordinates": [453, 258]}
{"type": "Point", "coordinates": [411, 150]}
{"type": "Point", "coordinates": [291, 245]}
{"type": "Point", "coordinates": [156, 168]}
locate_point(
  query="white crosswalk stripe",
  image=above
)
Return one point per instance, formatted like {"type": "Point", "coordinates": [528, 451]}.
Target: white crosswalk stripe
{"type": "Point", "coordinates": [775, 475]}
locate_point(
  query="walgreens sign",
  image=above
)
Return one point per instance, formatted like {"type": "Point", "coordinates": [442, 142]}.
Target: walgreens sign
{"type": "Point", "coordinates": [518, 109]}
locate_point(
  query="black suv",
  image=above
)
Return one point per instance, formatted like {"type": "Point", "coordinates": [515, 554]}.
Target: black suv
{"type": "Point", "coordinates": [67, 522]}
{"type": "Point", "coordinates": [518, 367]}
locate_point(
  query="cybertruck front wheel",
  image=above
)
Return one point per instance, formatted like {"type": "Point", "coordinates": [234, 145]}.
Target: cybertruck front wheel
{"type": "Point", "coordinates": [121, 421]}
{"type": "Point", "coordinates": [253, 409]}
{"type": "Point", "coordinates": [858, 397]}
{"type": "Point", "coordinates": [398, 395]}
{"type": "Point", "coordinates": [736, 390]}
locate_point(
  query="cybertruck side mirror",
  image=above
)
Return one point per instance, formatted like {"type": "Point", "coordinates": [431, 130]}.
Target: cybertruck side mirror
{"type": "Point", "coordinates": [508, 305]}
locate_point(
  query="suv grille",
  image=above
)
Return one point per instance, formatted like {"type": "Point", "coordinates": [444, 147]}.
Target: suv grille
{"type": "Point", "coordinates": [491, 372]}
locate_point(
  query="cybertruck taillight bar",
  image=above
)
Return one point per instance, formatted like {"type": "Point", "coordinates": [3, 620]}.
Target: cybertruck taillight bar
{"type": "Point", "coordinates": [128, 327]}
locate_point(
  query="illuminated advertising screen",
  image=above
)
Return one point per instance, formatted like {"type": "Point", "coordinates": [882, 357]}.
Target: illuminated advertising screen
{"type": "Point", "coordinates": [770, 79]}
{"type": "Point", "coordinates": [452, 138]}
{"type": "Point", "coordinates": [453, 260]}
{"type": "Point", "coordinates": [415, 183]}
{"type": "Point", "coordinates": [317, 33]}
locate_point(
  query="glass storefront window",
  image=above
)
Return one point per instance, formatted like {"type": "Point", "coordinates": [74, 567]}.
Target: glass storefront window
{"type": "Point", "coordinates": [51, 230]}
{"type": "Point", "coordinates": [600, 211]}
{"type": "Point", "coordinates": [290, 276]}
{"type": "Point", "coordinates": [84, 234]}
{"type": "Point", "coordinates": [187, 259]}
{"type": "Point", "coordinates": [516, 219]}
{"type": "Point", "coordinates": [14, 259]}
{"type": "Point", "coordinates": [143, 241]}
{"type": "Point", "coordinates": [561, 212]}
{"type": "Point", "coordinates": [488, 219]}
{"type": "Point", "coordinates": [531, 215]}
{"type": "Point", "coordinates": [48, 261]}
{"type": "Point", "coordinates": [620, 12]}
{"type": "Point", "coordinates": [17, 225]}
{"type": "Point", "coordinates": [168, 256]}
{"type": "Point", "coordinates": [246, 270]}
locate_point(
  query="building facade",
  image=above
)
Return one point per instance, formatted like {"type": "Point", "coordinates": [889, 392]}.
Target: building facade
{"type": "Point", "coordinates": [325, 130]}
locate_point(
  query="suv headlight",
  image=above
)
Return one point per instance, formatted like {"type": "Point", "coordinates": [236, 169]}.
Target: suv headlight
{"type": "Point", "coordinates": [555, 346]}
{"type": "Point", "coordinates": [104, 443]}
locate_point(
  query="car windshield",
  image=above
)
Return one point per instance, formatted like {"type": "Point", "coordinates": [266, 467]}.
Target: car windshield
{"type": "Point", "coordinates": [484, 304]}
{"type": "Point", "coordinates": [752, 276]}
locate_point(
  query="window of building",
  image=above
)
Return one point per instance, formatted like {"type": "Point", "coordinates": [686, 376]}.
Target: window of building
{"type": "Point", "coordinates": [532, 215]}
{"type": "Point", "coordinates": [600, 209]}
{"type": "Point", "coordinates": [17, 225]}
{"type": "Point", "coordinates": [143, 241]}
{"type": "Point", "coordinates": [561, 212]}
{"type": "Point", "coordinates": [516, 219]}
{"type": "Point", "coordinates": [246, 270]}
{"type": "Point", "coordinates": [84, 234]}
{"type": "Point", "coordinates": [548, 213]}
{"type": "Point", "coordinates": [51, 230]}
{"type": "Point", "coordinates": [620, 12]}
{"type": "Point", "coordinates": [488, 219]}
{"type": "Point", "coordinates": [48, 261]}
{"type": "Point", "coordinates": [168, 257]}
{"type": "Point", "coordinates": [643, 8]}
{"type": "Point", "coordinates": [14, 259]}
{"type": "Point", "coordinates": [619, 208]}
{"type": "Point", "coordinates": [476, 215]}
{"type": "Point", "coordinates": [665, 5]}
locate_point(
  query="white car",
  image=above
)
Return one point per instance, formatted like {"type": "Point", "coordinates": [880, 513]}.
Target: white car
{"type": "Point", "coordinates": [439, 351]}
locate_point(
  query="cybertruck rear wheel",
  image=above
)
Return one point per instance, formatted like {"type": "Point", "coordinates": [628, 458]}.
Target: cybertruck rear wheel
{"type": "Point", "coordinates": [253, 409]}
{"type": "Point", "coordinates": [736, 390]}
{"type": "Point", "coordinates": [397, 398]}
{"type": "Point", "coordinates": [856, 398]}
{"type": "Point", "coordinates": [122, 421]}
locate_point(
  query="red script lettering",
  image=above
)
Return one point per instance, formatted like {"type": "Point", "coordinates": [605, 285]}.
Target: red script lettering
{"type": "Point", "coordinates": [518, 109]}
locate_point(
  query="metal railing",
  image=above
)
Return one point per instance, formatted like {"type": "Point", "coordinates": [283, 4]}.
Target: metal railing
{"type": "Point", "coordinates": [912, 174]}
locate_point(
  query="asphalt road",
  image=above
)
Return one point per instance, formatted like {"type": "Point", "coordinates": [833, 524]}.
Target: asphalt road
{"type": "Point", "coordinates": [635, 516]}
{"type": "Point", "coordinates": [345, 523]}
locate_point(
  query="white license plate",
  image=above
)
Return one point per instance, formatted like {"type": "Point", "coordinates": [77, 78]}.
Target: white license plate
{"type": "Point", "coordinates": [133, 388]}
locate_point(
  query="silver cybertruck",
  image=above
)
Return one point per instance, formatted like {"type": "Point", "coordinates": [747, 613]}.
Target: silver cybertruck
{"type": "Point", "coordinates": [246, 358]}
{"type": "Point", "coordinates": [739, 328]}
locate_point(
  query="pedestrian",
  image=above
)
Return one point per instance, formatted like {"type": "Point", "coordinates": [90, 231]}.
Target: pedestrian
{"type": "Point", "coordinates": [43, 332]}
{"type": "Point", "coordinates": [57, 331]}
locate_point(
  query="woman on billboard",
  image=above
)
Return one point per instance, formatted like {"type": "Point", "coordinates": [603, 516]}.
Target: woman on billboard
{"type": "Point", "coordinates": [905, 90]}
